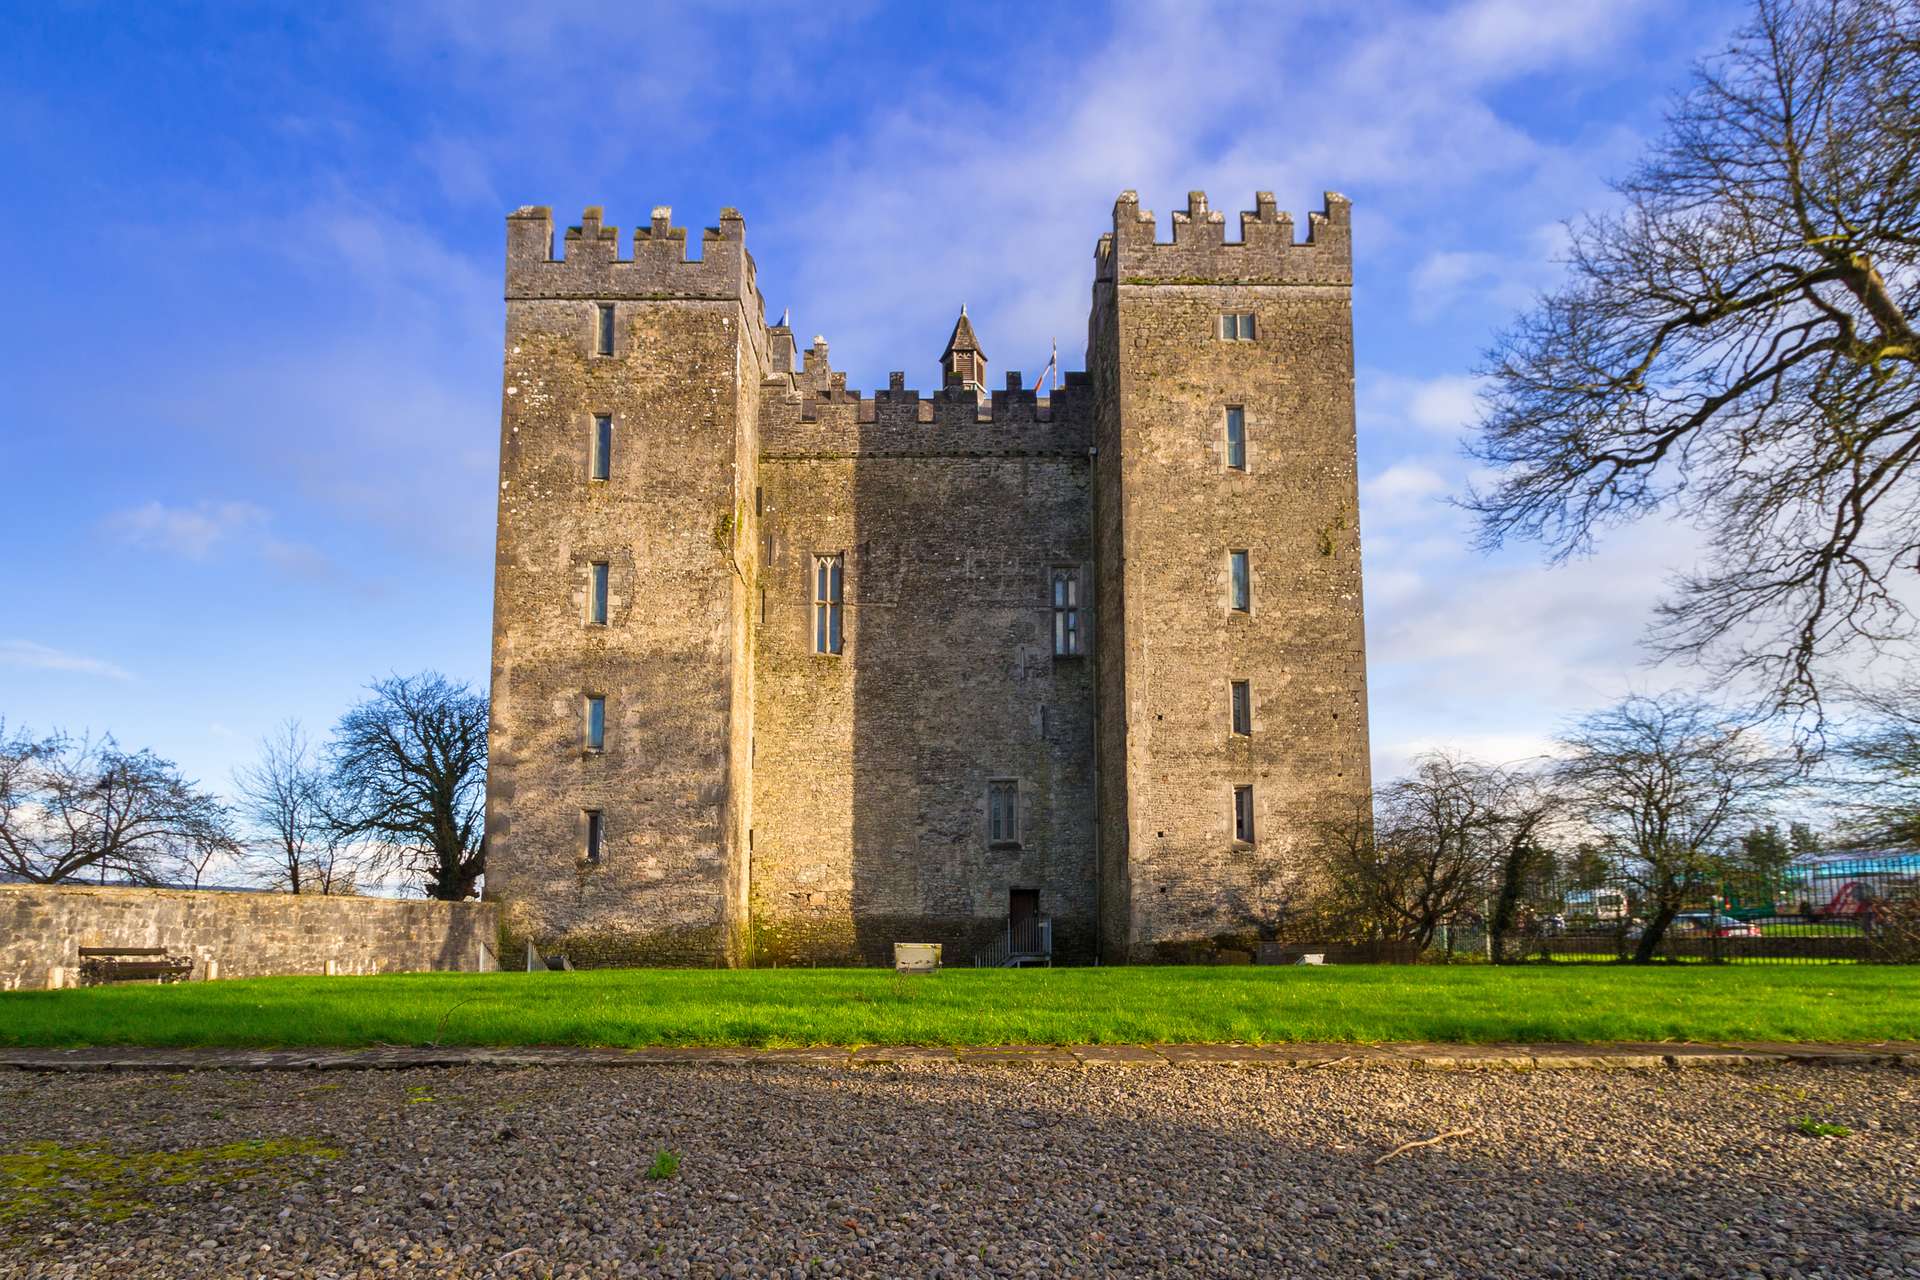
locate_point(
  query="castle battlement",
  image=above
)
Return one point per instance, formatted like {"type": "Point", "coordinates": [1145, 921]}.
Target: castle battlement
{"type": "Point", "coordinates": [785, 672]}
{"type": "Point", "coordinates": [1199, 252]}
{"type": "Point", "coordinates": [658, 266]}
{"type": "Point", "coordinates": [951, 421]}
{"type": "Point", "coordinates": [799, 414]}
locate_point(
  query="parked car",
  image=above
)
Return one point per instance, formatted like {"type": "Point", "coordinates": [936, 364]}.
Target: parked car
{"type": "Point", "coordinates": [1701, 924]}
{"type": "Point", "coordinates": [1720, 926]}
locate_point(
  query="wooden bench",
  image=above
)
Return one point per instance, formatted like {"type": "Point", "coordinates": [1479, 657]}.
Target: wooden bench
{"type": "Point", "coordinates": [99, 965]}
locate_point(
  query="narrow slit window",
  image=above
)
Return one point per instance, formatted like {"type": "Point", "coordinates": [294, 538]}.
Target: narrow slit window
{"type": "Point", "coordinates": [1003, 812]}
{"type": "Point", "coordinates": [1237, 438]}
{"type": "Point", "coordinates": [1243, 814]}
{"type": "Point", "coordinates": [1242, 709]}
{"type": "Point", "coordinates": [829, 581]}
{"type": "Point", "coordinates": [602, 465]}
{"type": "Point", "coordinates": [596, 834]}
{"type": "Point", "coordinates": [1242, 582]}
{"type": "Point", "coordinates": [597, 595]}
{"type": "Point", "coordinates": [603, 329]}
{"type": "Point", "coordinates": [1066, 612]}
{"type": "Point", "coordinates": [596, 723]}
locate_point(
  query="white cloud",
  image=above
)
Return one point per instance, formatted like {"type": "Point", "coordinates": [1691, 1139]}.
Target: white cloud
{"type": "Point", "coordinates": [1394, 759]}
{"type": "Point", "coordinates": [1486, 644]}
{"type": "Point", "coordinates": [192, 532]}
{"type": "Point", "coordinates": [1447, 404]}
{"type": "Point", "coordinates": [1448, 277]}
{"type": "Point", "coordinates": [1402, 485]}
{"type": "Point", "coordinates": [1396, 108]}
{"type": "Point", "coordinates": [949, 188]}
{"type": "Point", "coordinates": [296, 558]}
{"type": "Point", "coordinates": [586, 88]}
{"type": "Point", "coordinates": [1506, 37]}
{"type": "Point", "coordinates": [27, 655]}
{"type": "Point", "coordinates": [1509, 279]}
{"type": "Point", "coordinates": [197, 532]}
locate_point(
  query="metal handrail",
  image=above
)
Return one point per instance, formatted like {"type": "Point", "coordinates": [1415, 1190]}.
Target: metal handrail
{"type": "Point", "coordinates": [1031, 940]}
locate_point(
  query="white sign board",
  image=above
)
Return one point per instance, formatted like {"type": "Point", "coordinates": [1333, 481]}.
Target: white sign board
{"type": "Point", "coordinates": [916, 957]}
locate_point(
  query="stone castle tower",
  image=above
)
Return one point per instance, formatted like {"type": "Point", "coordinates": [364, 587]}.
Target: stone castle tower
{"type": "Point", "coordinates": [786, 674]}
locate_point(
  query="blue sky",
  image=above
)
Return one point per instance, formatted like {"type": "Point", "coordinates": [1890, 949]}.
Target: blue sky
{"type": "Point", "coordinates": [253, 261]}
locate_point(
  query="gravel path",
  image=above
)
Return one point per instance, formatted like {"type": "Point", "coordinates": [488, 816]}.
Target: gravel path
{"type": "Point", "coordinates": [938, 1169]}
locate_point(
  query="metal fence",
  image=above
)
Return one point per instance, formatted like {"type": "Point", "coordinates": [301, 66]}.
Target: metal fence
{"type": "Point", "coordinates": [1822, 910]}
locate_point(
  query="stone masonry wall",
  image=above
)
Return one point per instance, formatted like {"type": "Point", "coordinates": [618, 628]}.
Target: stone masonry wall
{"type": "Point", "coordinates": [871, 772]}
{"type": "Point", "coordinates": [765, 804]}
{"type": "Point", "coordinates": [43, 927]}
{"type": "Point", "coordinates": [1181, 511]}
{"type": "Point", "coordinates": [1109, 542]}
{"type": "Point", "coordinates": [669, 521]}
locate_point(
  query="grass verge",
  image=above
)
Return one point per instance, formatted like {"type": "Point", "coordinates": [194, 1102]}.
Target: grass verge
{"type": "Point", "coordinates": [1136, 1005]}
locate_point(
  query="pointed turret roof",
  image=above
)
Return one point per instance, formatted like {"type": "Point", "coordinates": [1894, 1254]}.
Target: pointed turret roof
{"type": "Point", "coordinates": [962, 339]}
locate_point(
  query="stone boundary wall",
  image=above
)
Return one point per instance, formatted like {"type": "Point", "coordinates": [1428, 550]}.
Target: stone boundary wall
{"type": "Point", "coordinates": [242, 935]}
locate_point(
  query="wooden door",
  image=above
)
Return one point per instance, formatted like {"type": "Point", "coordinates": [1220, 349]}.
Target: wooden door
{"type": "Point", "coordinates": [1023, 919]}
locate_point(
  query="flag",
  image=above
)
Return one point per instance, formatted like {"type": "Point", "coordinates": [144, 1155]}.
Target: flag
{"type": "Point", "coordinates": [1053, 367]}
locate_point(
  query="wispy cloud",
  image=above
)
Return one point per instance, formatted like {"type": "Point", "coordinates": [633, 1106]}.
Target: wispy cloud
{"type": "Point", "coordinates": [1398, 113]}
{"type": "Point", "coordinates": [30, 656]}
{"type": "Point", "coordinates": [1391, 759]}
{"type": "Point", "coordinates": [198, 532]}
{"type": "Point", "coordinates": [1444, 406]}
{"type": "Point", "coordinates": [193, 532]}
{"type": "Point", "coordinates": [330, 255]}
{"type": "Point", "coordinates": [1510, 280]}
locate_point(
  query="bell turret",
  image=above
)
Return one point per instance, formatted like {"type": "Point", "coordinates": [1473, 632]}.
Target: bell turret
{"type": "Point", "coordinates": [963, 363]}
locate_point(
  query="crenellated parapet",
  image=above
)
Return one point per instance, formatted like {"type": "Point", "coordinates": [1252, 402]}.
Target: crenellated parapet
{"type": "Point", "coordinates": [1200, 253]}
{"type": "Point", "coordinates": [801, 421]}
{"type": "Point", "coordinates": [734, 596]}
{"type": "Point", "coordinates": [817, 374]}
{"type": "Point", "coordinates": [658, 266]}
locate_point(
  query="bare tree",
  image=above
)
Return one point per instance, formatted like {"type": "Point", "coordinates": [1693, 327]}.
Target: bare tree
{"type": "Point", "coordinates": [1664, 783]}
{"type": "Point", "coordinates": [298, 841]}
{"type": "Point", "coordinates": [1423, 858]}
{"type": "Point", "coordinates": [1879, 775]}
{"type": "Point", "coordinates": [193, 863]}
{"type": "Point", "coordinates": [410, 767]}
{"type": "Point", "coordinates": [1738, 347]}
{"type": "Point", "coordinates": [1527, 805]}
{"type": "Point", "coordinates": [82, 806]}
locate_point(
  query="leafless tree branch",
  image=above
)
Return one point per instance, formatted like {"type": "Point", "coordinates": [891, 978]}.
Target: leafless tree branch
{"type": "Point", "coordinates": [1737, 347]}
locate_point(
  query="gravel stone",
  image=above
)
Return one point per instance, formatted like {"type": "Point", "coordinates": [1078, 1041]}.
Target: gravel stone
{"type": "Point", "coordinates": [943, 1169]}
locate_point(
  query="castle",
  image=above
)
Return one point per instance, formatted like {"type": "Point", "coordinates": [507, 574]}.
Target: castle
{"type": "Point", "coordinates": [784, 674]}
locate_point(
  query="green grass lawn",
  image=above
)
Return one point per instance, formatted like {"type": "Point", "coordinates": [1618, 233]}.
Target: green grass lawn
{"type": "Point", "coordinates": [1466, 1003]}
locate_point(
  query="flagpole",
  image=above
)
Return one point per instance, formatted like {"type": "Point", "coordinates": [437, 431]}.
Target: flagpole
{"type": "Point", "coordinates": [1053, 367]}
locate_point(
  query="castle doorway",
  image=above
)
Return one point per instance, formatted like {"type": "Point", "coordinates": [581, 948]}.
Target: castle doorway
{"type": "Point", "coordinates": [1023, 919]}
